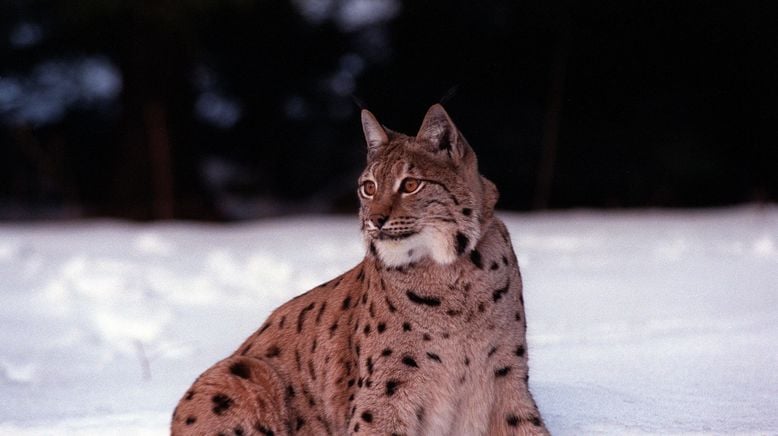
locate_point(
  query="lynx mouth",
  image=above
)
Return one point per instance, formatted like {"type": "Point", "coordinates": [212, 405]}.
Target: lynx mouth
{"type": "Point", "coordinates": [384, 236]}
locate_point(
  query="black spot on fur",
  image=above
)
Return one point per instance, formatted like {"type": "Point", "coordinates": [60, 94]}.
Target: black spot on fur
{"type": "Point", "coordinates": [289, 391]}
{"type": "Point", "coordinates": [498, 293]}
{"type": "Point", "coordinates": [420, 412]}
{"type": "Point", "coordinates": [301, 316]}
{"type": "Point", "coordinates": [297, 359]}
{"type": "Point", "coordinates": [467, 361]}
{"type": "Point", "coordinates": [518, 316]}
{"type": "Point", "coordinates": [475, 257]}
{"type": "Point", "coordinates": [240, 369]}
{"type": "Point", "coordinates": [434, 357]}
{"type": "Point", "coordinates": [273, 351]}
{"type": "Point", "coordinates": [346, 303]}
{"type": "Point", "coordinates": [367, 416]}
{"type": "Point", "coordinates": [238, 431]}
{"type": "Point", "coordinates": [401, 269]}
{"type": "Point", "coordinates": [512, 420]}
{"type": "Point", "coordinates": [410, 361]}
{"type": "Point", "coordinates": [426, 337]}
{"type": "Point", "coordinates": [282, 322]}
{"type": "Point", "coordinates": [381, 327]}
{"type": "Point", "coordinates": [386, 352]}
{"type": "Point", "coordinates": [361, 275]}
{"type": "Point", "coordinates": [491, 352]}
{"type": "Point", "coordinates": [418, 299]}
{"type": "Point", "coordinates": [189, 395]}
{"type": "Point", "coordinates": [494, 266]}
{"type": "Point", "coordinates": [535, 421]}
{"type": "Point", "coordinates": [467, 211]}
{"type": "Point", "coordinates": [356, 428]}
{"type": "Point", "coordinates": [389, 304]}
{"type": "Point", "coordinates": [367, 330]}
{"type": "Point", "coordinates": [264, 430]}
{"type": "Point", "coordinates": [373, 250]}
{"type": "Point", "coordinates": [369, 363]}
{"type": "Point", "coordinates": [461, 243]}
{"type": "Point", "coordinates": [502, 372]}
{"type": "Point", "coordinates": [333, 327]}
{"type": "Point", "coordinates": [481, 307]}
{"type": "Point", "coordinates": [300, 423]}
{"type": "Point", "coordinates": [391, 386]}
{"type": "Point", "coordinates": [221, 403]}
{"type": "Point", "coordinates": [505, 261]}
{"type": "Point", "coordinates": [452, 312]}
{"type": "Point", "coordinates": [406, 326]}
{"type": "Point", "coordinates": [190, 420]}
{"type": "Point", "coordinates": [520, 350]}
{"type": "Point", "coordinates": [321, 312]}
{"type": "Point", "coordinates": [265, 327]}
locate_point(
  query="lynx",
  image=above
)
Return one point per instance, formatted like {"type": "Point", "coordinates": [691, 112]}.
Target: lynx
{"type": "Point", "coordinates": [425, 336]}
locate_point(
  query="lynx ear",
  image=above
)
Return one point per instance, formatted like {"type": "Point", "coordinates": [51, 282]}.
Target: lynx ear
{"type": "Point", "coordinates": [439, 134]}
{"type": "Point", "coordinates": [375, 135]}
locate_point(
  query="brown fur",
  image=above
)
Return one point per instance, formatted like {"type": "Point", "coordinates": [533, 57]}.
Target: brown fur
{"type": "Point", "coordinates": [425, 336]}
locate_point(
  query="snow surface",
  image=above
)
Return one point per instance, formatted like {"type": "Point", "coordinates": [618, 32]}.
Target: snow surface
{"type": "Point", "coordinates": [648, 322]}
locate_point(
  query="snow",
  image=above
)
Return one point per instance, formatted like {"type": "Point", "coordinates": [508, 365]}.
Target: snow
{"type": "Point", "coordinates": [649, 322]}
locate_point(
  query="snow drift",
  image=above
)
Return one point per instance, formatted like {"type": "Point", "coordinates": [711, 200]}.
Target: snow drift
{"type": "Point", "coordinates": [639, 322]}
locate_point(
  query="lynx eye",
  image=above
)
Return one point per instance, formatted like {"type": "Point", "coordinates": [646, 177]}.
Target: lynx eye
{"type": "Point", "coordinates": [368, 188]}
{"type": "Point", "coordinates": [410, 185]}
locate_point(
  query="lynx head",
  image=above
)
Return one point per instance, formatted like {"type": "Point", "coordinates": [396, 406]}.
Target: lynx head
{"type": "Point", "coordinates": [422, 197]}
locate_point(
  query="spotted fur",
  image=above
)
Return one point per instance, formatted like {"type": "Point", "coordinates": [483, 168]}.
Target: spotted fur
{"type": "Point", "coordinates": [425, 336]}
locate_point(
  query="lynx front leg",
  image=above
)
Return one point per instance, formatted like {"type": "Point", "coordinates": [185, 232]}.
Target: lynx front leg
{"type": "Point", "coordinates": [239, 395]}
{"type": "Point", "coordinates": [514, 411]}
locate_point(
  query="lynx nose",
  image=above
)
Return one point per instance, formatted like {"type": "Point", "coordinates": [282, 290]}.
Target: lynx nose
{"type": "Point", "coordinates": [378, 220]}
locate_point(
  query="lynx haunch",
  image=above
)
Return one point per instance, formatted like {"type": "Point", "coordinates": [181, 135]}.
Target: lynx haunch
{"type": "Point", "coordinates": [425, 336]}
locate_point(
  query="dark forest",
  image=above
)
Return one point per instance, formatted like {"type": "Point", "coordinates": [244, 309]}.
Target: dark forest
{"type": "Point", "coordinates": [229, 110]}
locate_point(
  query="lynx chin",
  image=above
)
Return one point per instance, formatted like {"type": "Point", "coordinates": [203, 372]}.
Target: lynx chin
{"type": "Point", "coordinates": [425, 336]}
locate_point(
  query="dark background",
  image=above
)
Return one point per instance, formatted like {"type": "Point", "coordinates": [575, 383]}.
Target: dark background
{"type": "Point", "coordinates": [236, 109]}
